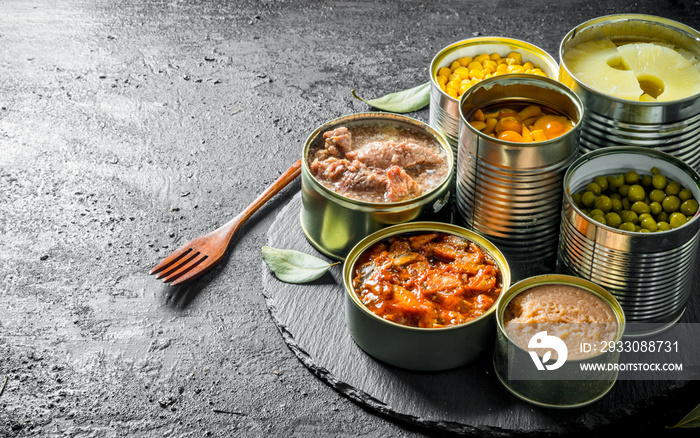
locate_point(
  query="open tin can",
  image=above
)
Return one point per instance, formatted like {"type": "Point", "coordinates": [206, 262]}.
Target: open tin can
{"type": "Point", "coordinates": [672, 126]}
{"type": "Point", "coordinates": [511, 192]}
{"type": "Point", "coordinates": [536, 378]}
{"type": "Point", "coordinates": [334, 223]}
{"type": "Point", "coordinates": [418, 348]}
{"type": "Point", "coordinates": [444, 109]}
{"type": "Point", "coordinates": [650, 274]}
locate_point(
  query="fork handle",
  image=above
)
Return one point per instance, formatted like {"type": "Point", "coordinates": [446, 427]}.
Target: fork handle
{"type": "Point", "coordinates": [288, 176]}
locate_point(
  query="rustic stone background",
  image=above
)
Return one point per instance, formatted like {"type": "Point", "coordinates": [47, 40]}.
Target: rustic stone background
{"type": "Point", "coordinates": [128, 127]}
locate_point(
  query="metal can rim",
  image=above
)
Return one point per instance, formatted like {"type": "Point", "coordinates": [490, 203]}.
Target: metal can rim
{"type": "Point", "coordinates": [549, 59]}
{"type": "Point", "coordinates": [559, 279]}
{"type": "Point", "coordinates": [626, 17]}
{"type": "Point", "coordinates": [378, 206]}
{"type": "Point", "coordinates": [412, 227]}
{"type": "Point", "coordinates": [514, 77]}
{"type": "Point", "coordinates": [614, 150]}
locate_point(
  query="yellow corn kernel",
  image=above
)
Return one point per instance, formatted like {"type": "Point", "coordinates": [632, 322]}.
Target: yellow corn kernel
{"type": "Point", "coordinates": [487, 75]}
{"type": "Point", "coordinates": [475, 81]}
{"type": "Point", "coordinates": [474, 65]}
{"type": "Point", "coordinates": [462, 72]}
{"type": "Point", "coordinates": [490, 65]}
{"type": "Point", "coordinates": [529, 71]}
{"type": "Point", "coordinates": [464, 61]}
{"type": "Point", "coordinates": [486, 72]}
{"type": "Point", "coordinates": [454, 77]}
{"type": "Point", "coordinates": [515, 68]}
{"type": "Point", "coordinates": [442, 80]}
{"type": "Point", "coordinates": [502, 68]}
{"type": "Point", "coordinates": [527, 136]}
{"type": "Point", "coordinates": [442, 87]}
{"type": "Point", "coordinates": [454, 84]}
{"type": "Point", "coordinates": [444, 71]}
{"type": "Point", "coordinates": [540, 73]}
{"type": "Point", "coordinates": [464, 87]}
{"type": "Point", "coordinates": [481, 58]}
{"type": "Point", "coordinates": [517, 57]}
{"type": "Point", "coordinates": [502, 61]}
{"type": "Point", "coordinates": [479, 115]}
{"type": "Point", "coordinates": [452, 92]}
{"type": "Point", "coordinates": [479, 126]}
{"type": "Point", "coordinates": [528, 65]}
{"type": "Point", "coordinates": [529, 111]}
{"type": "Point", "coordinates": [476, 74]}
{"type": "Point", "coordinates": [495, 56]}
{"type": "Point", "coordinates": [454, 66]}
{"type": "Point", "coordinates": [491, 123]}
{"type": "Point", "coordinates": [538, 135]}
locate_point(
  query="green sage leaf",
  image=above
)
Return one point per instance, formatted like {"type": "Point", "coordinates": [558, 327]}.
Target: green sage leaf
{"type": "Point", "coordinates": [293, 266]}
{"type": "Point", "coordinates": [690, 420]}
{"type": "Point", "coordinates": [404, 101]}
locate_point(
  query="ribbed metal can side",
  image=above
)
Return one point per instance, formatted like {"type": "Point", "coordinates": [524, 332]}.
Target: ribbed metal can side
{"type": "Point", "coordinates": [650, 274]}
{"type": "Point", "coordinates": [652, 287]}
{"type": "Point", "coordinates": [680, 139]}
{"type": "Point", "coordinates": [511, 192]}
{"type": "Point", "coordinates": [671, 126]}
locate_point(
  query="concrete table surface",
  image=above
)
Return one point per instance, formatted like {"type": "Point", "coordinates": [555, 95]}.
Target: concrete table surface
{"type": "Point", "coordinates": [127, 128]}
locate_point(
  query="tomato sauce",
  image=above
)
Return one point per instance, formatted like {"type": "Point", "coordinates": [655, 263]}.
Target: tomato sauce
{"type": "Point", "coordinates": [427, 280]}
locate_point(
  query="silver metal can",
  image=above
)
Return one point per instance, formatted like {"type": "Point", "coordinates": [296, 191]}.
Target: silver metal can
{"type": "Point", "coordinates": [672, 127]}
{"type": "Point", "coordinates": [444, 109]}
{"type": "Point", "coordinates": [566, 386]}
{"type": "Point", "coordinates": [333, 223]}
{"type": "Point", "coordinates": [511, 192]}
{"type": "Point", "coordinates": [650, 274]}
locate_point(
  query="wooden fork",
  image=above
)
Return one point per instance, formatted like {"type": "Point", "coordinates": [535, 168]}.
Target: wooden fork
{"type": "Point", "coordinates": [201, 254]}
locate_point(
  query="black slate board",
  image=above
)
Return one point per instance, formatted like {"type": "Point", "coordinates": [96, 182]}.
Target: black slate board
{"type": "Point", "coordinates": [467, 400]}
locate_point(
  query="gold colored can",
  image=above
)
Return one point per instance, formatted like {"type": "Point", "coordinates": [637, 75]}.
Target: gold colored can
{"type": "Point", "coordinates": [415, 348]}
{"type": "Point", "coordinates": [334, 223]}
{"type": "Point", "coordinates": [579, 381]}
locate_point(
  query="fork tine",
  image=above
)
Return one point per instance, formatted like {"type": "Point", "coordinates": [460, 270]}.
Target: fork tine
{"type": "Point", "coordinates": [189, 271]}
{"type": "Point", "coordinates": [199, 270]}
{"type": "Point", "coordinates": [181, 262]}
{"type": "Point", "coordinates": [172, 258]}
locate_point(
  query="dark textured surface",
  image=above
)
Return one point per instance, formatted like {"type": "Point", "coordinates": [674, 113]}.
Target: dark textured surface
{"type": "Point", "coordinates": [469, 399]}
{"type": "Point", "coordinates": [129, 127]}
